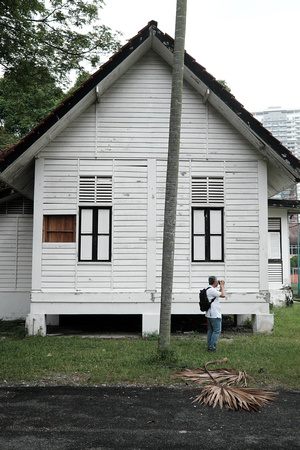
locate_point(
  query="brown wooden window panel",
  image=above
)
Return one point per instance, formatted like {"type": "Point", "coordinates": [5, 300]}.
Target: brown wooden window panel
{"type": "Point", "coordinates": [59, 228]}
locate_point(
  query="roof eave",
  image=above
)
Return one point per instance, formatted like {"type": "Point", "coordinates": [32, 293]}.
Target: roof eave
{"type": "Point", "coordinates": [292, 206]}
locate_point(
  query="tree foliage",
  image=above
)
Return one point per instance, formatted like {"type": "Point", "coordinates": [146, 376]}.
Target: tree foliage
{"type": "Point", "coordinates": [52, 34]}
{"type": "Point", "coordinates": [294, 261]}
{"type": "Point", "coordinates": [82, 77]}
{"type": "Point", "coordinates": [24, 104]}
{"type": "Point", "coordinates": [41, 43]}
{"type": "Point", "coordinates": [223, 82]}
{"type": "Point", "coordinates": [6, 139]}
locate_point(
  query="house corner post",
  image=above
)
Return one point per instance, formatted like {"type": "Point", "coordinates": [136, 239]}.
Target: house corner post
{"type": "Point", "coordinates": [36, 324]}
{"type": "Point", "coordinates": [263, 323]}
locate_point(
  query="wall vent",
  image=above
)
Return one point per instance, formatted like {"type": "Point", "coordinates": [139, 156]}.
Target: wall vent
{"type": "Point", "coordinates": [95, 190]}
{"type": "Point", "coordinates": [274, 224]}
{"type": "Point", "coordinates": [275, 272]}
{"type": "Point", "coordinates": [207, 191]}
{"type": "Point", "coordinates": [20, 205]}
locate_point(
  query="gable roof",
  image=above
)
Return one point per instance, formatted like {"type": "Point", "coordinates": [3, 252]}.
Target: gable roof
{"type": "Point", "coordinates": [285, 166]}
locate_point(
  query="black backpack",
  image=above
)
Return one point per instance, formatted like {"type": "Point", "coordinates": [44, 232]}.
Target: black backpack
{"type": "Point", "coordinates": [203, 300]}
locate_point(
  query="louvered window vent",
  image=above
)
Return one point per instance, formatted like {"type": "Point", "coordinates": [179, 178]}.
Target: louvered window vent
{"type": "Point", "coordinates": [95, 190]}
{"type": "Point", "coordinates": [275, 272]}
{"type": "Point", "coordinates": [207, 191]}
{"type": "Point", "coordinates": [274, 224]}
{"type": "Point", "coordinates": [21, 205]}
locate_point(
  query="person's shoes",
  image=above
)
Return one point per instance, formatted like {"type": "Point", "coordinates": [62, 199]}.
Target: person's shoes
{"type": "Point", "coordinates": [211, 350]}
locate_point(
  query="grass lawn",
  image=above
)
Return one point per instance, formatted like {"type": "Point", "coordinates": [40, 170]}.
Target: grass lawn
{"type": "Point", "coordinates": [272, 360]}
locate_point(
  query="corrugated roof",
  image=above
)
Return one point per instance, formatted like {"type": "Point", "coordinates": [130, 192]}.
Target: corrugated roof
{"type": "Point", "coordinates": [11, 153]}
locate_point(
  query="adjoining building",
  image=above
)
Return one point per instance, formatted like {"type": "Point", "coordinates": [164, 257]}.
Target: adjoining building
{"type": "Point", "coordinates": [284, 124]}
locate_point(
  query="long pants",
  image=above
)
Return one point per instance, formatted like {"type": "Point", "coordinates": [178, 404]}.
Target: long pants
{"type": "Point", "coordinates": [213, 332]}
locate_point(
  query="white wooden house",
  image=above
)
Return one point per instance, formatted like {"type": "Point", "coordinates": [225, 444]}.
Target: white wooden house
{"type": "Point", "coordinates": [95, 170]}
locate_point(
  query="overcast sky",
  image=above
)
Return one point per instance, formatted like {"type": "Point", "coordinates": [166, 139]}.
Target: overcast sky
{"type": "Point", "coordinates": [251, 44]}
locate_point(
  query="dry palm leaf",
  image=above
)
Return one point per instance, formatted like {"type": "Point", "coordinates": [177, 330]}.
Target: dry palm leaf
{"type": "Point", "coordinates": [220, 392]}
{"type": "Point", "coordinates": [234, 398]}
{"type": "Point", "coordinates": [224, 375]}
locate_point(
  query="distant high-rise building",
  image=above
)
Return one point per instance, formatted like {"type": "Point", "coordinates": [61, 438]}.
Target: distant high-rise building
{"type": "Point", "coordinates": [284, 124]}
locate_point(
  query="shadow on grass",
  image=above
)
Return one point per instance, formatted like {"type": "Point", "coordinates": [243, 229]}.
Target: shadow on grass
{"type": "Point", "coordinates": [14, 329]}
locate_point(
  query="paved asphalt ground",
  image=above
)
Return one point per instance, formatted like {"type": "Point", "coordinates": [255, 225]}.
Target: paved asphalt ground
{"type": "Point", "coordinates": [79, 418]}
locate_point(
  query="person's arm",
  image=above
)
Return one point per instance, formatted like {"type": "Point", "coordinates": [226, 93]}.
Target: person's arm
{"type": "Point", "coordinates": [222, 289]}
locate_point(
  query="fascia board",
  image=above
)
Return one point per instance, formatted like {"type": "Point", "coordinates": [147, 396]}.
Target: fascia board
{"type": "Point", "coordinates": [163, 51]}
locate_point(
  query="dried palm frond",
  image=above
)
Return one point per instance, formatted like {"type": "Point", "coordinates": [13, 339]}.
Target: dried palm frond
{"type": "Point", "coordinates": [221, 392]}
{"type": "Point", "coordinates": [234, 398]}
{"type": "Point", "coordinates": [223, 375]}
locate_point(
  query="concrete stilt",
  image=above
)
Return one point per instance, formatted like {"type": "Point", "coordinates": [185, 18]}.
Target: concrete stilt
{"type": "Point", "coordinates": [150, 323]}
{"type": "Point", "coordinates": [36, 324]}
{"type": "Point", "coordinates": [243, 319]}
{"type": "Point", "coordinates": [263, 323]}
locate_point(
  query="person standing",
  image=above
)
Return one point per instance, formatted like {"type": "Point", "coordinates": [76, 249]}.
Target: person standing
{"type": "Point", "coordinates": [213, 315]}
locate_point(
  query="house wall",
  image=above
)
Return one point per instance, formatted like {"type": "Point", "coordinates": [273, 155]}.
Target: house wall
{"type": "Point", "coordinates": [280, 292]}
{"type": "Point", "coordinates": [15, 265]}
{"type": "Point", "coordinates": [125, 136]}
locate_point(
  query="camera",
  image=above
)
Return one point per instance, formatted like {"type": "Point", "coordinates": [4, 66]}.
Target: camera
{"type": "Point", "coordinates": [220, 281]}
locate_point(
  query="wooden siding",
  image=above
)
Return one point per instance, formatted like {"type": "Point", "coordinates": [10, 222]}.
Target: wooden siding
{"type": "Point", "coordinates": [183, 226]}
{"type": "Point", "coordinates": [88, 167]}
{"type": "Point", "coordinates": [132, 120]}
{"type": "Point", "coordinates": [130, 225]}
{"type": "Point", "coordinates": [91, 277]}
{"type": "Point", "coordinates": [59, 266]}
{"type": "Point", "coordinates": [16, 250]}
{"type": "Point", "coordinates": [60, 186]}
{"type": "Point", "coordinates": [8, 240]}
{"type": "Point", "coordinates": [60, 193]}
{"type": "Point", "coordinates": [77, 139]}
{"type": "Point", "coordinates": [160, 204]}
{"type": "Point", "coordinates": [242, 226]}
{"type": "Point", "coordinates": [125, 137]}
{"type": "Point", "coordinates": [24, 253]}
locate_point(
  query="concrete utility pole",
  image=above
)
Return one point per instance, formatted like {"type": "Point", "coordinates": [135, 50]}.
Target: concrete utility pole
{"type": "Point", "coordinates": [172, 180]}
